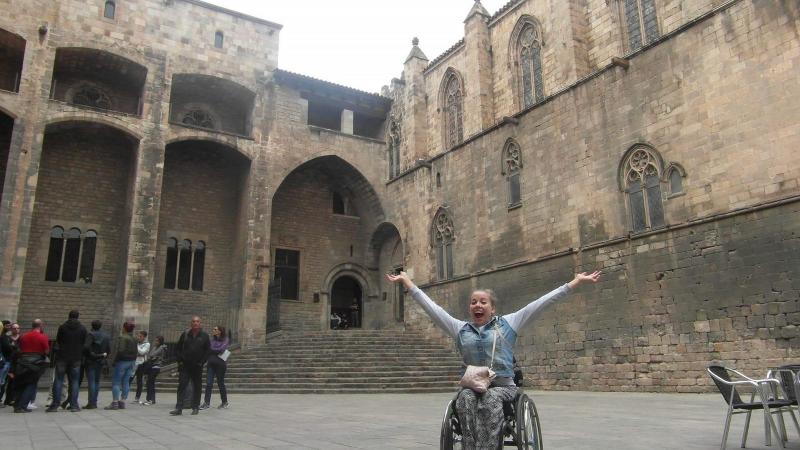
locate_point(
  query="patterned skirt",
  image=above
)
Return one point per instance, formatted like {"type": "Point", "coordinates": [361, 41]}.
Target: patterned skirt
{"type": "Point", "coordinates": [481, 416]}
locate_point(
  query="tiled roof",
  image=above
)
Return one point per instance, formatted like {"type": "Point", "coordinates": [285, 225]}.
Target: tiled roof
{"type": "Point", "coordinates": [281, 75]}
{"type": "Point", "coordinates": [444, 55]}
{"type": "Point", "coordinates": [504, 8]}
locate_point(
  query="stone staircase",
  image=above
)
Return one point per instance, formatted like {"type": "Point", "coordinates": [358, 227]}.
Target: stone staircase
{"type": "Point", "coordinates": [346, 361]}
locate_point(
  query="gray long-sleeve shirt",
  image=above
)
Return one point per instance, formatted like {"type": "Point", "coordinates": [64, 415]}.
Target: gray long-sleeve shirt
{"type": "Point", "coordinates": [517, 320]}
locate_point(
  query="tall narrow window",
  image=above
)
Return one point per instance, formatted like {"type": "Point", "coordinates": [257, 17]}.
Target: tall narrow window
{"type": "Point", "coordinates": [198, 266]}
{"type": "Point", "coordinates": [287, 270]}
{"type": "Point", "coordinates": [109, 10]}
{"type": "Point", "coordinates": [443, 237]}
{"type": "Point", "coordinates": [219, 39]}
{"type": "Point", "coordinates": [511, 168]}
{"type": "Point", "coordinates": [184, 264]}
{"type": "Point", "coordinates": [54, 254]}
{"type": "Point", "coordinates": [641, 22]}
{"type": "Point", "coordinates": [70, 256]}
{"type": "Point", "coordinates": [675, 177]}
{"type": "Point", "coordinates": [171, 270]}
{"type": "Point", "coordinates": [87, 256]}
{"type": "Point", "coordinates": [642, 183]}
{"type": "Point", "coordinates": [453, 110]}
{"type": "Point", "coordinates": [394, 147]}
{"type": "Point", "coordinates": [530, 65]}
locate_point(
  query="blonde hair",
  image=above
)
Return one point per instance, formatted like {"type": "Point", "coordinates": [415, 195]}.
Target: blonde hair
{"type": "Point", "coordinates": [490, 293]}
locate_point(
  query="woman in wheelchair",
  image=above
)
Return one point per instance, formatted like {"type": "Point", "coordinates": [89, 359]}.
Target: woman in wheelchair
{"type": "Point", "coordinates": [481, 415]}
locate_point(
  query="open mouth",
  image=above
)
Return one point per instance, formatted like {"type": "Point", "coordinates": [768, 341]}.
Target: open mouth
{"type": "Point", "coordinates": [478, 314]}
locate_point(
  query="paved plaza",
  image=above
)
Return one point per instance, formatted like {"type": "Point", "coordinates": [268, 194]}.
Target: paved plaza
{"type": "Point", "coordinates": [570, 420]}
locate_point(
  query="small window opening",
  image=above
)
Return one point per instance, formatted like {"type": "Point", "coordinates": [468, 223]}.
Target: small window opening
{"type": "Point", "coordinates": [367, 126]}
{"type": "Point", "coordinates": [325, 116]}
{"type": "Point", "coordinates": [438, 179]}
{"type": "Point", "coordinates": [184, 264]}
{"type": "Point", "coordinates": [338, 204]}
{"type": "Point", "coordinates": [54, 255]}
{"type": "Point", "coordinates": [171, 270]}
{"type": "Point", "coordinates": [287, 270]}
{"type": "Point", "coordinates": [110, 10]}
{"type": "Point", "coordinates": [87, 256]}
{"type": "Point", "coordinates": [351, 251]}
{"type": "Point", "coordinates": [219, 39]}
{"type": "Point", "coordinates": [675, 182]}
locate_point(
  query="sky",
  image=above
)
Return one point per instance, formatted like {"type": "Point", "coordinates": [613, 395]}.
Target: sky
{"type": "Point", "coordinates": [359, 43]}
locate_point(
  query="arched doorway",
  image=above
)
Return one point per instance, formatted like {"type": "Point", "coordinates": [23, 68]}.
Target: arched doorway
{"type": "Point", "coordinates": [347, 304]}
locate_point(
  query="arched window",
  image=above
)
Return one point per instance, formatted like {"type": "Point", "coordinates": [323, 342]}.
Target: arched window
{"type": "Point", "coordinates": [109, 10]}
{"type": "Point", "coordinates": [443, 237]}
{"type": "Point", "coordinates": [171, 270]}
{"type": "Point", "coordinates": [54, 255]}
{"type": "Point", "coordinates": [70, 256]}
{"type": "Point", "coordinates": [511, 168]}
{"type": "Point", "coordinates": [641, 22]}
{"type": "Point", "coordinates": [185, 266]}
{"type": "Point", "coordinates": [453, 105]}
{"type": "Point", "coordinates": [641, 181]}
{"type": "Point", "coordinates": [87, 256]}
{"type": "Point", "coordinates": [198, 266]}
{"type": "Point", "coordinates": [529, 56]}
{"type": "Point", "coordinates": [219, 39]}
{"type": "Point", "coordinates": [675, 175]}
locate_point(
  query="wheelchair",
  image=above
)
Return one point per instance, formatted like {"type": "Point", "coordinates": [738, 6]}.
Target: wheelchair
{"type": "Point", "coordinates": [521, 427]}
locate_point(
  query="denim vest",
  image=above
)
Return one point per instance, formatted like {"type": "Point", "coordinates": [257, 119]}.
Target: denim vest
{"type": "Point", "coordinates": [476, 346]}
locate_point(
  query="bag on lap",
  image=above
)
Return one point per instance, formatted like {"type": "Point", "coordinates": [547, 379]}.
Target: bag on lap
{"type": "Point", "coordinates": [478, 378]}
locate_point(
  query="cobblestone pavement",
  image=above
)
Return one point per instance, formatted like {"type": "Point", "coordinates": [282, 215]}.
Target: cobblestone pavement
{"type": "Point", "coordinates": [570, 420]}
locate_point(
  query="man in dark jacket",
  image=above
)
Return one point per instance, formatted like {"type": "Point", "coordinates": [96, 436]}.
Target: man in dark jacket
{"type": "Point", "coordinates": [70, 339]}
{"type": "Point", "coordinates": [191, 352]}
{"type": "Point", "coordinates": [95, 350]}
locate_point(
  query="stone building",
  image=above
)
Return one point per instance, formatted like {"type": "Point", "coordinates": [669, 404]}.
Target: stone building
{"type": "Point", "coordinates": [157, 163]}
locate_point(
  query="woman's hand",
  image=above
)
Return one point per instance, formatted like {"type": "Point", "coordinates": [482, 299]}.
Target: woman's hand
{"type": "Point", "coordinates": [403, 278]}
{"type": "Point", "coordinates": [584, 277]}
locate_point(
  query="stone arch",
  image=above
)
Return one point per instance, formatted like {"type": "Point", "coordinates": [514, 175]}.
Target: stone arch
{"type": "Point", "coordinates": [361, 277]}
{"type": "Point", "coordinates": [382, 233]}
{"type": "Point", "coordinates": [7, 122]}
{"type": "Point", "coordinates": [98, 78]}
{"type": "Point", "coordinates": [12, 56]}
{"type": "Point", "coordinates": [335, 164]}
{"type": "Point", "coordinates": [220, 140]}
{"type": "Point", "coordinates": [203, 201]}
{"type": "Point", "coordinates": [226, 104]}
{"type": "Point", "coordinates": [77, 119]}
{"type": "Point", "coordinates": [86, 173]}
{"type": "Point", "coordinates": [659, 161]}
{"type": "Point", "coordinates": [356, 271]}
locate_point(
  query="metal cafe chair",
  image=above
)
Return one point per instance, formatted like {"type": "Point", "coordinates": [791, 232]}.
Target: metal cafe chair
{"type": "Point", "coordinates": [790, 385]}
{"type": "Point", "coordinates": [730, 392]}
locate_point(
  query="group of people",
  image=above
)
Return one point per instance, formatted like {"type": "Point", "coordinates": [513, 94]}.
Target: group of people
{"type": "Point", "coordinates": [80, 354]}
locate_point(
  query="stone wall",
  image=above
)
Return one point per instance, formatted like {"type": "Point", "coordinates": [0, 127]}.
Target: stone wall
{"type": "Point", "coordinates": [88, 171]}
{"type": "Point", "coordinates": [677, 299]}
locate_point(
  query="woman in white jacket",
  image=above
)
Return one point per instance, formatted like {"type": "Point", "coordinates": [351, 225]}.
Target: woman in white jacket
{"type": "Point", "coordinates": [143, 348]}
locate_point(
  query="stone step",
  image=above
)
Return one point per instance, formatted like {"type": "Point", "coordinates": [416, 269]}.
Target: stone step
{"type": "Point", "coordinates": [349, 361]}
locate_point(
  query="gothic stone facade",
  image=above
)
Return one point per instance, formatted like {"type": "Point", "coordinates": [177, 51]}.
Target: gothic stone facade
{"type": "Point", "coordinates": [157, 164]}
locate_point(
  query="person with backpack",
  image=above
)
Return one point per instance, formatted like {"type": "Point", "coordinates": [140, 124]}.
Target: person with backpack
{"type": "Point", "coordinates": [95, 350]}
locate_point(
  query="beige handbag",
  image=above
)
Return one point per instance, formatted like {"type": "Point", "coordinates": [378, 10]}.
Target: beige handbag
{"type": "Point", "coordinates": [478, 378]}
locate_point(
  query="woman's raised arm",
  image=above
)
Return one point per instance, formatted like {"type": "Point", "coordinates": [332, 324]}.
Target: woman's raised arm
{"type": "Point", "coordinates": [439, 316]}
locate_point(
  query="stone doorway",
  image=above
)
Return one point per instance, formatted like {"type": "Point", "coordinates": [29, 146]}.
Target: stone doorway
{"type": "Point", "coordinates": [347, 304]}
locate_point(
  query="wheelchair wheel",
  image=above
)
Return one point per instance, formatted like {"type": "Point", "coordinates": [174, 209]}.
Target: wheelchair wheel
{"type": "Point", "coordinates": [528, 428]}
{"type": "Point", "coordinates": [450, 437]}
